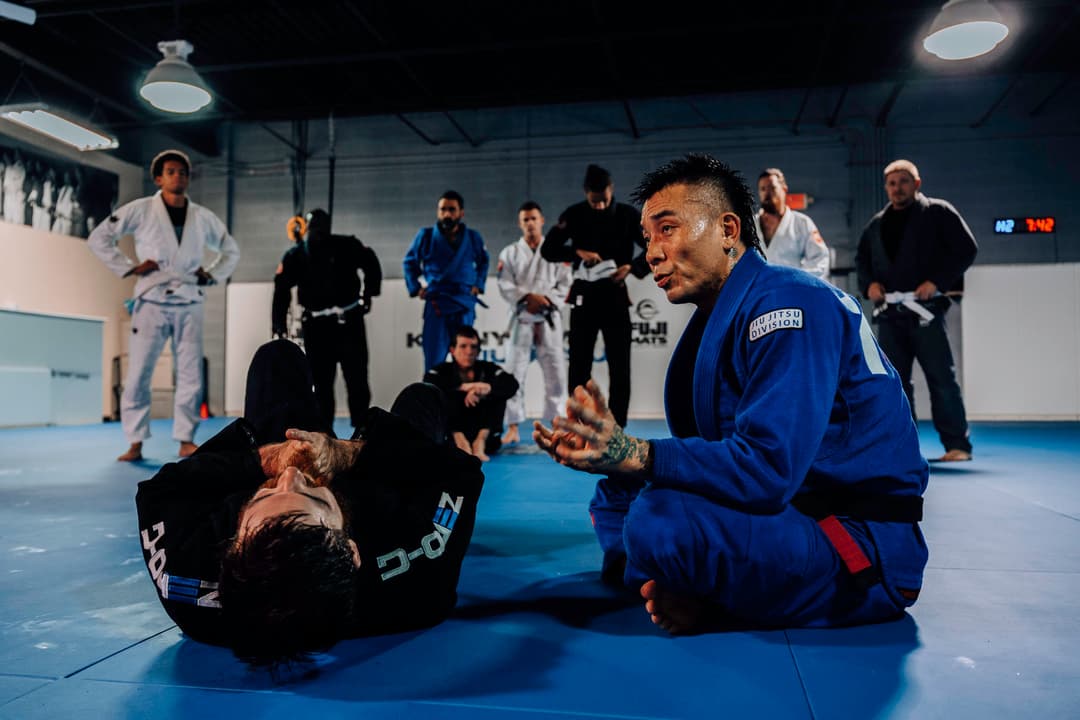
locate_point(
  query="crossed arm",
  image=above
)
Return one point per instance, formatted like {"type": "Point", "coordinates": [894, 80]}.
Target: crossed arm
{"type": "Point", "coordinates": [315, 453]}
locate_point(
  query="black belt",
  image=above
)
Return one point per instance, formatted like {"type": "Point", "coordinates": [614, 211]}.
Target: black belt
{"type": "Point", "coordinates": [825, 508]}
{"type": "Point", "coordinates": [881, 508]}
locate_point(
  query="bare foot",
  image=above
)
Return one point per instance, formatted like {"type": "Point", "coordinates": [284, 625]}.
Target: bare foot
{"type": "Point", "coordinates": [675, 613]}
{"type": "Point", "coordinates": [512, 435]}
{"type": "Point", "coordinates": [462, 443]}
{"type": "Point", "coordinates": [133, 454]}
{"type": "Point", "coordinates": [187, 449]}
{"type": "Point", "coordinates": [478, 446]}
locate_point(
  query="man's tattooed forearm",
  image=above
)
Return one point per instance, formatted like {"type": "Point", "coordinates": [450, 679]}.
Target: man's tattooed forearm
{"type": "Point", "coordinates": [622, 448]}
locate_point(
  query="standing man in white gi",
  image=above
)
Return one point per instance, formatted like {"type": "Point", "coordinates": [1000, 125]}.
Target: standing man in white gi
{"type": "Point", "coordinates": [536, 290]}
{"type": "Point", "coordinates": [172, 234]}
{"type": "Point", "coordinates": [790, 238]}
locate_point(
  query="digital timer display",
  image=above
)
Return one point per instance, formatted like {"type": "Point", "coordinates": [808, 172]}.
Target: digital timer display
{"type": "Point", "coordinates": [1016, 226]}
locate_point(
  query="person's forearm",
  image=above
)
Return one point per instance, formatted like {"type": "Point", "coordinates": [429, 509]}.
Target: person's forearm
{"type": "Point", "coordinates": [345, 454]}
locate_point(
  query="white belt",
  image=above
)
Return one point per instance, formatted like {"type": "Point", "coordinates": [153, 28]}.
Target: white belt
{"type": "Point", "coordinates": [339, 311]}
{"type": "Point", "coordinates": [907, 299]}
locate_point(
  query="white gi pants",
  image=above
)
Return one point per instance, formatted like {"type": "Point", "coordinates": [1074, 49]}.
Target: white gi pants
{"type": "Point", "coordinates": [152, 324]}
{"type": "Point", "coordinates": [550, 354]}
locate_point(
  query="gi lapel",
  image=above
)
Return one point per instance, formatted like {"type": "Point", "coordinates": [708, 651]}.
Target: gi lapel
{"type": "Point", "coordinates": [707, 367]}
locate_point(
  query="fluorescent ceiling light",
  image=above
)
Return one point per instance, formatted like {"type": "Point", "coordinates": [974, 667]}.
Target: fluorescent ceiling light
{"type": "Point", "coordinates": [173, 85]}
{"type": "Point", "coordinates": [965, 29]}
{"type": "Point", "coordinates": [40, 118]}
{"type": "Point", "coordinates": [17, 13]}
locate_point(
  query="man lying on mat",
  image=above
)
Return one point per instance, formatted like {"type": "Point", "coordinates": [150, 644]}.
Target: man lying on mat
{"type": "Point", "coordinates": [278, 541]}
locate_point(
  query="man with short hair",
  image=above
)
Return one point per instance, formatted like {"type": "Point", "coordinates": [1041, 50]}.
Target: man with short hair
{"type": "Point", "coordinates": [536, 290]}
{"type": "Point", "coordinates": [172, 234]}
{"type": "Point", "coordinates": [277, 539]}
{"type": "Point", "coordinates": [791, 238]}
{"type": "Point", "coordinates": [790, 491]}
{"type": "Point", "coordinates": [453, 262]}
{"type": "Point", "coordinates": [476, 392]}
{"type": "Point", "coordinates": [326, 270]}
{"type": "Point", "coordinates": [911, 261]}
{"type": "Point", "coordinates": [600, 237]}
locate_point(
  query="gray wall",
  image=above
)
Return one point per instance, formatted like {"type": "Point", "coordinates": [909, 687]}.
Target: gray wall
{"type": "Point", "coordinates": [388, 177]}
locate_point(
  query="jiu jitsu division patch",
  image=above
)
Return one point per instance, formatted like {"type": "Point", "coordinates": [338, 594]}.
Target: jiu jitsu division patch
{"type": "Point", "coordinates": [782, 319]}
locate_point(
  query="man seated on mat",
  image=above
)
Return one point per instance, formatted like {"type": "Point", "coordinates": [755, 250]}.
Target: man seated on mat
{"type": "Point", "coordinates": [278, 539]}
{"type": "Point", "coordinates": [791, 490]}
{"type": "Point", "coordinates": [476, 392]}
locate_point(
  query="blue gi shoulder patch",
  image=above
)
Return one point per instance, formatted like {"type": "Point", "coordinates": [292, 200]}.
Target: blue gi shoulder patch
{"type": "Point", "coordinates": [782, 319]}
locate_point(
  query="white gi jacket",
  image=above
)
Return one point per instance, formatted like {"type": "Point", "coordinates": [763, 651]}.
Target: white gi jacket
{"type": "Point", "coordinates": [522, 270]}
{"type": "Point", "coordinates": [174, 282]}
{"type": "Point", "coordinates": [797, 243]}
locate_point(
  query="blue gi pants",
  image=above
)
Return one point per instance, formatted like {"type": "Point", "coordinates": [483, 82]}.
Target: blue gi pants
{"type": "Point", "coordinates": [439, 329]}
{"type": "Point", "coordinates": [770, 570]}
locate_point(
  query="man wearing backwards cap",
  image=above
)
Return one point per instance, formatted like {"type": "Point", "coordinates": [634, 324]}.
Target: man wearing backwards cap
{"type": "Point", "coordinates": [172, 234]}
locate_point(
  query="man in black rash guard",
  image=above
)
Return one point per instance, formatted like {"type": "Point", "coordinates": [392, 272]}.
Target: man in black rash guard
{"type": "Point", "coordinates": [278, 541]}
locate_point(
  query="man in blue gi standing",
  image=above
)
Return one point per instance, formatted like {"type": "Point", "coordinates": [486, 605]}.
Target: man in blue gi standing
{"type": "Point", "coordinates": [790, 491]}
{"type": "Point", "coordinates": [453, 262]}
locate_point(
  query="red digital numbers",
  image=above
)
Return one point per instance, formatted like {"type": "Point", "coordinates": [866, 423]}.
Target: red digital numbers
{"type": "Point", "coordinates": [1039, 225]}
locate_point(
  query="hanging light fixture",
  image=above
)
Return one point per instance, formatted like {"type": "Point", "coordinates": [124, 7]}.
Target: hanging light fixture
{"type": "Point", "coordinates": [965, 29]}
{"type": "Point", "coordinates": [41, 118]}
{"type": "Point", "coordinates": [173, 85]}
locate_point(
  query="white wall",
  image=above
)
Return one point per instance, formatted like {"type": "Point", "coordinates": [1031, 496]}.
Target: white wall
{"type": "Point", "coordinates": [394, 327]}
{"type": "Point", "coordinates": [1022, 342]}
{"type": "Point", "coordinates": [48, 273]}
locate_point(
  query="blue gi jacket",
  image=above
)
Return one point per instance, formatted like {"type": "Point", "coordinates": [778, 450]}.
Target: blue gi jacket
{"type": "Point", "coordinates": [790, 393]}
{"type": "Point", "coordinates": [450, 273]}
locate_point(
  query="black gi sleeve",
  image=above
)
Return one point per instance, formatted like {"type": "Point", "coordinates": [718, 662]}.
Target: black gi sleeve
{"type": "Point", "coordinates": [284, 281]}
{"type": "Point", "coordinates": [187, 513]}
{"type": "Point", "coordinates": [503, 384]}
{"type": "Point", "coordinates": [631, 222]}
{"type": "Point", "coordinates": [558, 246]}
{"type": "Point", "coordinates": [956, 248]}
{"type": "Point", "coordinates": [368, 262]}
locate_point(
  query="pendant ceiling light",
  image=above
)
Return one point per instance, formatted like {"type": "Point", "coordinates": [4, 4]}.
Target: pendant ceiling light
{"type": "Point", "coordinates": [965, 29]}
{"type": "Point", "coordinates": [173, 85]}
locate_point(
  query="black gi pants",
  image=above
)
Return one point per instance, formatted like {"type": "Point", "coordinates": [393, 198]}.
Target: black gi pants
{"type": "Point", "coordinates": [279, 396]}
{"type": "Point", "coordinates": [469, 421]}
{"type": "Point", "coordinates": [903, 340]}
{"type": "Point", "coordinates": [612, 319]}
{"type": "Point", "coordinates": [329, 342]}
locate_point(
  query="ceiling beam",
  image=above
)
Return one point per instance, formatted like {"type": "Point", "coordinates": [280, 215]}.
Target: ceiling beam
{"type": "Point", "coordinates": [457, 126]}
{"type": "Point", "coordinates": [883, 114]}
{"type": "Point", "coordinates": [1041, 105]}
{"type": "Point", "coordinates": [835, 115]}
{"type": "Point", "coordinates": [1041, 48]}
{"type": "Point", "coordinates": [415, 129]}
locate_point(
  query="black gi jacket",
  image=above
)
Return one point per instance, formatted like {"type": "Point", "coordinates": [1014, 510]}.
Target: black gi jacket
{"type": "Point", "coordinates": [937, 245]}
{"type": "Point", "coordinates": [614, 233]}
{"type": "Point", "coordinates": [324, 269]}
{"type": "Point", "coordinates": [413, 506]}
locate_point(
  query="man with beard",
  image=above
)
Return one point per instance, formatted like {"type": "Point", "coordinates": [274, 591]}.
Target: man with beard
{"type": "Point", "coordinates": [278, 540]}
{"type": "Point", "coordinates": [911, 261]}
{"type": "Point", "coordinates": [791, 238]}
{"type": "Point", "coordinates": [325, 269]}
{"type": "Point", "coordinates": [453, 263]}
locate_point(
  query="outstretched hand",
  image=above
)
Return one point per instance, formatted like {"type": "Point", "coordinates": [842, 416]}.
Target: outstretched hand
{"type": "Point", "coordinates": [589, 439]}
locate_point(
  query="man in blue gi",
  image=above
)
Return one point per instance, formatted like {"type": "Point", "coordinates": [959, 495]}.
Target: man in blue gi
{"type": "Point", "coordinates": [790, 492]}
{"type": "Point", "coordinates": [453, 261]}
